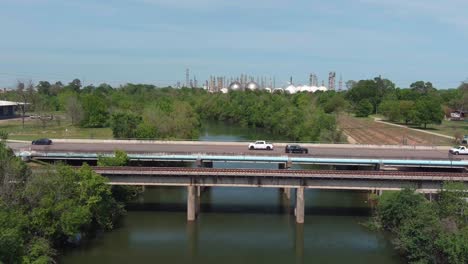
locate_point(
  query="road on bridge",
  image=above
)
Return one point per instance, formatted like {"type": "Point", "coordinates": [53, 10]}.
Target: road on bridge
{"type": "Point", "coordinates": [315, 150]}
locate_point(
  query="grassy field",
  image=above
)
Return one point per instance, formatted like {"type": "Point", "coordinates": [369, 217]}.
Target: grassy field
{"type": "Point", "coordinates": [449, 128]}
{"type": "Point", "coordinates": [34, 129]}
{"type": "Point", "coordinates": [367, 131]}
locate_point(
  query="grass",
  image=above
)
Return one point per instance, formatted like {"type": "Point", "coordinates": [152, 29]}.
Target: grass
{"type": "Point", "coordinates": [447, 127]}
{"type": "Point", "coordinates": [63, 129]}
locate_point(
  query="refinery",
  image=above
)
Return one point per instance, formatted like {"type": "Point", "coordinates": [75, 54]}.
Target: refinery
{"type": "Point", "coordinates": [246, 82]}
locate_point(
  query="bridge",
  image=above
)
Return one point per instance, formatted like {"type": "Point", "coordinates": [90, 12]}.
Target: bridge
{"type": "Point", "coordinates": [204, 153]}
{"type": "Point", "coordinates": [195, 179]}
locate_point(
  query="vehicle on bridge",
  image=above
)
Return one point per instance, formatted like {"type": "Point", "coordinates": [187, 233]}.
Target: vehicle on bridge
{"type": "Point", "coordinates": [294, 148]}
{"type": "Point", "coordinates": [261, 145]}
{"type": "Point", "coordinates": [459, 150]}
{"type": "Point", "coordinates": [42, 141]}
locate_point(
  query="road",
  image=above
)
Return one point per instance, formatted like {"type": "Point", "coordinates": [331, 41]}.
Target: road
{"type": "Point", "coordinates": [345, 151]}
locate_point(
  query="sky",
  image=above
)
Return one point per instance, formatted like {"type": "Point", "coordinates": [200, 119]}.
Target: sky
{"type": "Point", "coordinates": [154, 41]}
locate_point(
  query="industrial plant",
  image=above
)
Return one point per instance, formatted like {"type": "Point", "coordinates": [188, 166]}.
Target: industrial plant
{"type": "Point", "coordinates": [244, 82]}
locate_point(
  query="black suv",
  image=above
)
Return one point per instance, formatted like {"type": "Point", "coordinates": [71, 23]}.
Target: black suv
{"type": "Point", "coordinates": [42, 141]}
{"type": "Point", "coordinates": [296, 149]}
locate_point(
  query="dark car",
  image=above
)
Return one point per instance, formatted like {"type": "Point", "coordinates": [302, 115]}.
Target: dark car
{"type": "Point", "coordinates": [42, 141]}
{"type": "Point", "coordinates": [296, 149]}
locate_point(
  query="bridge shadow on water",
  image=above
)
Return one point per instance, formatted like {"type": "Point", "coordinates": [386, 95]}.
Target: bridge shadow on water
{"type": "Point", "coordinates": [250, 209]}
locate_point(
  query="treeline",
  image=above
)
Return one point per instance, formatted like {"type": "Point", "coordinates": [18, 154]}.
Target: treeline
{"type": "Point", "coordinates": [427, 232]}
{"type": "Point", "coordinates": [295, 117]}
{"type": "Point", "coordinates": [420, 104]}
{"type": "Point", "coordinates": [44, 212]}
{"type": "Point", "coordinates": [147, 112]}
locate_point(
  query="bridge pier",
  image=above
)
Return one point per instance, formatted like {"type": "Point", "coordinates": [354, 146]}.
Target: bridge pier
{"type": "Point", "coordinates": [204, 164]}
{"type": "Point", "coordinates": [287, 192]}
{"type": "Point", "coordinates": [299, 210]}
{"type": "Point", "coordinates": [284, 165]}
{"type": "Point", "coordinates": [191, 203]}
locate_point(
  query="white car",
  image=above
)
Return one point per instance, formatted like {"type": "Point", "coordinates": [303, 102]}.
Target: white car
{"type": "Point", "coordinates": [459, 150]}
{"type": "Point", "coordinates": [261, 145]}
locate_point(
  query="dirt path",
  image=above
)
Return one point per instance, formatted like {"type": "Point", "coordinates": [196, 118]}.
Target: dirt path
{"type": "Point", "coordinates": [367, 131]}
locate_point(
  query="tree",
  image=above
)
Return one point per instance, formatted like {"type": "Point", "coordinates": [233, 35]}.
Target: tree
{"type": "Point", "coordinates": [124, 125]}
{"type": "Point", "coordinates": [74, 85]}
{"type": "Point", "coordinates": [422, 87]}
{"type": "Point", "coordinates": [364, 108]}
{"type": "Point", "coordinates": [405, 110]}
{"type": "Point", "coordinates": [390, 109]}
{"type": "Point", "coordinates": [451, 202]}
{"type": "Point", "coordinates": [396, 207]}
{"type": "Point", "coordinates": [453, 246]}
{"type": "Point", "coordinates": [120, 159]}
{"type": "Point", "coordinates": [95, 111]}
{"type": "Point", "coordinates": [43, 87]}
{"type": "Point", "coordinates": [417, 234]}
{"type": "Point", "coordinates": [74, 109]}
{"type": "Point", "coordinates": [20, 90]}
{"type": "Point", "coordinates": [427, 110]}
{"type": "Point", "coordinates": [350, 84]}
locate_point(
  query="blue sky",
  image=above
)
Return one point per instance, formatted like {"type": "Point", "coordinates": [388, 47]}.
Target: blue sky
{"type": "Point", "coordinates": [154, 41]}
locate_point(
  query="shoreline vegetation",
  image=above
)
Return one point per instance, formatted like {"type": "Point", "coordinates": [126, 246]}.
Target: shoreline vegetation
{"type": "Point", "coordinates": [425, 231]}
{"type": "Point", "coordinates": [45, 212]}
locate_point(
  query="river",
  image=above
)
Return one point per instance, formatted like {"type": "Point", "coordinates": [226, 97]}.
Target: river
{"type": "Point", "coordinates": [240, 225]}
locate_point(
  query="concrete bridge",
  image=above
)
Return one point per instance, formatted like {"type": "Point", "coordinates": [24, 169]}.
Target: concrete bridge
{"type": "Point", "coordinates": [195, 179]}
{"type": "Point", "coordinates": [283, 160]}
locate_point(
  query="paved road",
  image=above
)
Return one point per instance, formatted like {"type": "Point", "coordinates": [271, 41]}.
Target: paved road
{"type": "Point", "coordinates": [239, 148]}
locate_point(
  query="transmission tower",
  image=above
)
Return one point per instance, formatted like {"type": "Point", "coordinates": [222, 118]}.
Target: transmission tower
{"type": "Point", "coordinates": [331, 80]}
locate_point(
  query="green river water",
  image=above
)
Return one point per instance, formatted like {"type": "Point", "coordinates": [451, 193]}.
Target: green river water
{"type": "Point", "coordinates": [240, 225]}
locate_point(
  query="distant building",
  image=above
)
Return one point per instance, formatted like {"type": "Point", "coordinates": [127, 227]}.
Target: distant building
{"type": "Point", "coordinates": [457, 115]}
{"type": "Point", "coordinates": [7, 108]}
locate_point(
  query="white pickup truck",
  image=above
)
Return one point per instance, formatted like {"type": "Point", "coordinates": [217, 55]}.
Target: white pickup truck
{"type": "Point", "coordinates": [261, 145]}
{"type": "Point", "coordinates": [459, 150]}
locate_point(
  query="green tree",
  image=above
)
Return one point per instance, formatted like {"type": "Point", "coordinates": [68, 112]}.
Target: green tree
{"type": "Point", "coordinates": [74, 85]}
{"type": "Point", "coordinates": [120, 159]}
{"type": "Point", "coordinates": [12, 235]}
{"type": "Point", "coordinates": [43, 87]}
{"type": "Point", "coordinates": [95, 111]}
{"type": "Point", "coordinates": [427, 110]}
{"type": "Point", "coordinates": [417, 234]}
{"type": "Point", "coordinates": [453, 246]}
{"type": "Point", "coordinates": [422, 87]}
{"type": "Point", "coordinates": [451, 202]}
{"type": "Point", "coordinates": [390, 109]}
{"type": "Point", "coordinates": [124, 125]}
{"type": "Point", "coordinates": [364, 108]}
{"type": "Point", "coordinates": [406, 108]}
{"type": "Point", "coordinates": [395, 207]}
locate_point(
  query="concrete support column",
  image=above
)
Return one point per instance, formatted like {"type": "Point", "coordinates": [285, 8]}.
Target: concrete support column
{"type": "Point", "coordinates": [287, 192]}
{"type": "Point", "coordinates": [283, 166]}
{"type": "Point", "coordinates": [299, 211]}
{"type": "Point", "coordinates": [191, 203]}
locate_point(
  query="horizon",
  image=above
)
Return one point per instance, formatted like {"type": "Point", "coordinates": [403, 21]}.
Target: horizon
{"type": "Point", "coordinates": [155, 41]}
